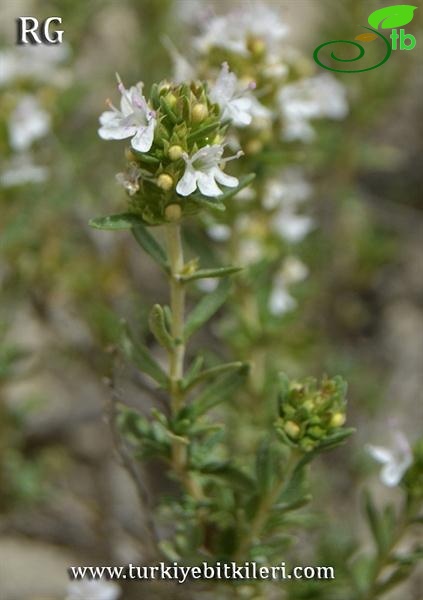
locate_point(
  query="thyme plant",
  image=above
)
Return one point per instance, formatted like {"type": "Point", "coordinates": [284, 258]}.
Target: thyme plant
{"type": "Point", "coordinates": [227, 508]}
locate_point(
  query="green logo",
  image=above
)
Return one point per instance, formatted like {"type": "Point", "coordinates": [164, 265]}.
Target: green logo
{"type": "Point", "coordinates": [390, 17]}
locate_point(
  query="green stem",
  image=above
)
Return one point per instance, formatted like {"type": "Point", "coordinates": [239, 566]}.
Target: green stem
{"type": "Point", "coordinates": [385, 559]}
{"type": "Point", "coordinates": [267, 501]}
{"type": "Point", "coordinates": [177, 355]}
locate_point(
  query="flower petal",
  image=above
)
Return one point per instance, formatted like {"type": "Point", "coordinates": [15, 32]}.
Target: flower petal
{"type": "Point", "coordinates": [143, 139]}
{"type": "Point", "coordinates": [224, 179]}
{"type": "Point", "coordinates": [207, 184]}
{"type": "Point", "coordinates": [379, 453]}
{"type": "Point", "coordinates": [188, 183]}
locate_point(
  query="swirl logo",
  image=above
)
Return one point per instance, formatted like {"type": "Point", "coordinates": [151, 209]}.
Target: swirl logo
{"type": "Point", "coordinates": [389, 17]}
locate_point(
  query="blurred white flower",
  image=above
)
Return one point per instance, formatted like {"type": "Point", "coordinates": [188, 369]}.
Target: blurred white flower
{"type": "Point", "coordinates": [36, 62]}
{"type": "Point", "coordinates": [219, 232]}
{"type": "Point", "coordinates": [235, 30]}
{"type": "Point", "coordinates": [280, 300]}
{"type": "Point", "coordinates": [130, 179]}
{"type": "Point", "coordinates": [250, 251]}
{"type": "Point", "coordinates": [135, 119]}
{"type": "Point", "coordinates": [93, 589]}
{"type": "Point", "coordinates": [290, 226]}
{"type": "Point", "coordinates": [183, 70]}
{"type": "Point", "coordinates": [312, 98]}
{"type": "Point", "coordinates": [236, 103]}
{"type": "Point", "coordinates": [21, 170]}
{"type": "Point", "coordinates": [289, 189]}
{"type": "Point", "coordinates": [28, 122]}
{"type": "Point", "coordinates": [203, 170]}
{"type": "Point", "coordinates": [395, 459]}
{"type": "Point", "coordinates": [207, 285]}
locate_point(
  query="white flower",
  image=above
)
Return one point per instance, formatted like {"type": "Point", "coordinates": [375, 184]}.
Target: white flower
{"type": "Point", "coordinates": [203, 170]}
{"type": "Point", "coordinates": [208, 285]}
{"type": "Point", "coordinates": [183, 70]}
{"type": "Point", "coordinates": [290, 189]}
{"type": "Point", "coordinates": [36, 62]}
{"type": "Point", "coordinates": [93, 589]}
{"type": "Point", "coordinates": [236, 104]}
{"type": "Point", "coordinates": [28, 122]}
{"type": "Point", "coordinates": [21, 170]}
{"type": "Point", "coordinates": [135, 119]}
{"type": "Point", "coordinates": [395, 460]}
{"type": "Point", "coordinates": [292, 227]}
{"type": "Point", "coordinates": [130, 179]}
{"type": "Point", "coordinates": [311, 98]}
{"type": "Point", "coordinates": [234, 31]}
{"type": "Point", "coordinates": [280, 300]}
{"type": "Point", "coordinates": [219, 232]}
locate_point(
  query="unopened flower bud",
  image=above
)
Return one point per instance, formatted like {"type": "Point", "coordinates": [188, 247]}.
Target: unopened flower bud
{"type": "Point", "coordinates": [171, 100]}
{"type": "Point", "coordinates": [199, 113]}
{"type": "Point", "coordinates": [338, 419]}
{"type": "Point", "coordinates": [165, 182]}
{"type": "Point", "coordinates": [173, 212]}
{"type": "Point", "coordinates": [175, 152]}
{"type": "Point", "coordinates": [292, 429]}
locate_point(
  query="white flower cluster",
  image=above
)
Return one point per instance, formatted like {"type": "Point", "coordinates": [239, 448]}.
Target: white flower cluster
{"type": "Point", "coordinates": [28, 121]}
{"type": "Point", "coordinates": [136, 120]}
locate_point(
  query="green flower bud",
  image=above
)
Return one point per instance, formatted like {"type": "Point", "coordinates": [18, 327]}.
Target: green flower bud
{"type": "Point", "coordinates": [165, 182]}
{"type": "Point", "coordinates": [292, 429]}
{"type": "Point", "coordinates": [175, 152]}
{"type": "Point", "coordinates": [173, 212]}
{"type": "Point", "coordinates": [199, 112]}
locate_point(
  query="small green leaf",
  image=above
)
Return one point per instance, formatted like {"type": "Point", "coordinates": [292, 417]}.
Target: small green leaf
{"type": "Point", "coordinates": [150, 245]}
{"type": "Point", "coordinates": [377, 524]}
{"type": "Point", "coordinates": [205, 273]}
{"type": "Point", "coordinates": [140, 355]}
{"type": "Point", "coordinates": [116, 222]}
{"type": "Point", "coordinates": [211, 373]}
{"type": "Point", "coordinates": [217, 392]}
{"type": "Point", "coordinates": [158, 327]}
{"type": "Point", "coordinates": [392, 16]}
{"type": "Point", "coordinates": [206, 308]}
{"type": "Point", "coordinates": [168, 110]}
{"type": "Point", "coordinates": [265, 466]}
{"type": "Point", "coordinates": [230, 472]}
{"type": "Point", "coordinates": [192, 372]}
{"type": "Point", "coordinates": [203, 131]}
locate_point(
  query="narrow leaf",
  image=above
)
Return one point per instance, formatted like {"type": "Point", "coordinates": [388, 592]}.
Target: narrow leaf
{"type": "Point", "coordinates": [205, 273]}
{"type": "Point", "coordinates": [150, 245]}
{"type": "Point", "coordinates": [115, 222]}
{"type": "Point", "coordinates": [192, 372]}
{"type": "Point", "coordinates": [217, 392]}
{"type": "Point", "coordinates": [212, 373]}
{"type": "Point", "coordinates": [158, 327]}
{"type": "Point", "coordinates": [206, 308]}
{"type": "Point", "coordinates": [140, 355]}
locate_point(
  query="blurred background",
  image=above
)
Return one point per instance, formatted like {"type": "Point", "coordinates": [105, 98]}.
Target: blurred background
{"type": "Point", "coordinates": [64, 287]}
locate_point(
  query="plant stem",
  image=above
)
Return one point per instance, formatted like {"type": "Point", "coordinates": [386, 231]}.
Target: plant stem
{"type": "Point", "coordinates": [176, 357]}
{"type": "Point", "coordinates": [385, 559]}
{"type": "Point", "coordinates": [265, 505]}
